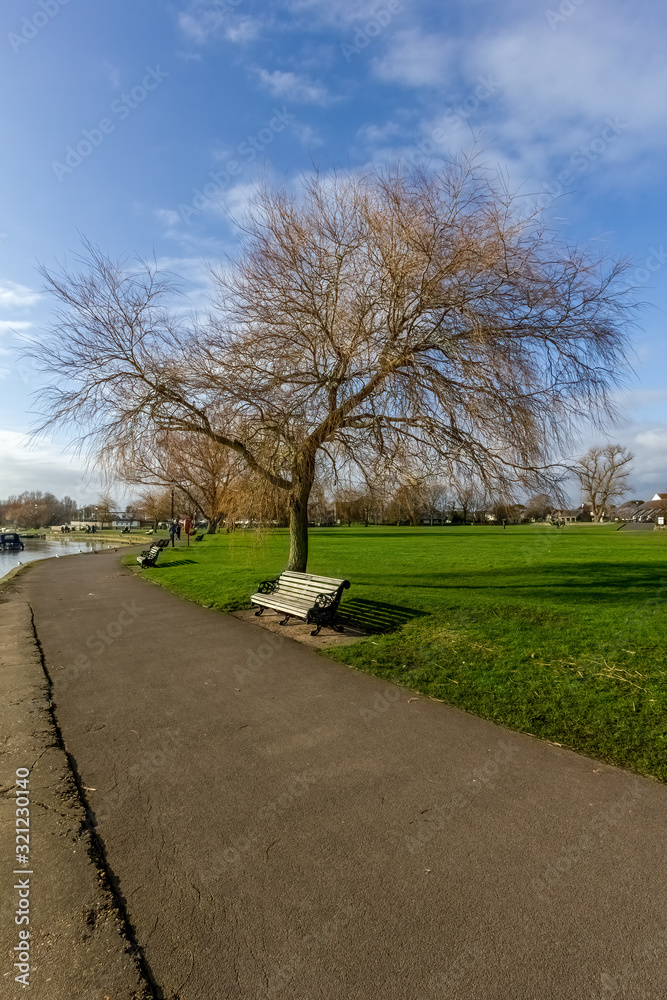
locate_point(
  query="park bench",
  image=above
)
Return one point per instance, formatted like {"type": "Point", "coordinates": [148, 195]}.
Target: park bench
{"type": "Point", "coordinates": [149, 556]}
{"type": "Point", "coordinates": [302, 595]}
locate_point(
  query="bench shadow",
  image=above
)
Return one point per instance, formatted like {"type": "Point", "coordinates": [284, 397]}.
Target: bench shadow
{"type": "Point", "coordinates": [376, 617]}
{"type": "Point", "coordinates": [174, 562]}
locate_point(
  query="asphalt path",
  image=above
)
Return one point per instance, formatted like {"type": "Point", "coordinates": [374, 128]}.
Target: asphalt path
{"type": "Point", "coordinates": [280, 825]}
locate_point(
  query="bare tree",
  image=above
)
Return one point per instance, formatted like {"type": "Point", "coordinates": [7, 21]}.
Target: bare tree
{"type": "Point", "coordinates": [34, 509]}
{"type": "Point", "coordinates": [468, 498]}
{"type": "Point", "coordinates": [540, 507]}
{"type": "Point", "coordinates": [105, 507]}
{"type": "Point", "coordinates": [437, 501]}
{"type": "Point", "coordinates": [203, 472]}
{"type": "Point", "coordinates": [362, 314]}
{"type": "Point", "coordinates": [603, 475]}
{"type": "Point", "coordinates": [348, 504]}
{"type": "Point", "coordinates": [154, 503]}
{"type": "Point", "coordinates": [410, 501]}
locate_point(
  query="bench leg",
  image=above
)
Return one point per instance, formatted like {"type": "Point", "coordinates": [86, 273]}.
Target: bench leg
{"type": "Point", "coordinates": [337, 628]}
{"type": "Point", "coordinates": [258, 613]}
{"type": "Point", "coordinates": [285, 620]}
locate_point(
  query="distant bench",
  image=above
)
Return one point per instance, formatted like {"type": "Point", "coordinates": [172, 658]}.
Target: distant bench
{"type": "Point", "coordinates": [149, 556]}
{"type": "Point", "coordinates": [302, 595]}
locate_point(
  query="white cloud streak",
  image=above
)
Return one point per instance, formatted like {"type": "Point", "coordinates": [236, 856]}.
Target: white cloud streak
{"type": "Point", "coordinates": [292, 87]}
{"type": "Point", "coordinates": [26, 466]}
{"type": "Point", "coordinates": [14, 295]}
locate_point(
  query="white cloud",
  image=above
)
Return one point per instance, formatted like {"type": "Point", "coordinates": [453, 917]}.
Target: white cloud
{"type": "Point", "coordinates": [376, 134]}
{"type": "Point", "coordinates": [196, 29]}
{"type": "Point", "coordinates": [649, 446]}
{"type": "Point", "coordinates": [307, 135]}
{"type": "Point", "coordinates": [244, 30]}
{"type": "Point", "coordinates": [44, 466]}
{"type": "Point", "coordinates": [655, 439]}
{"type": "Point", "coordinates": [193, 275]}
{"type": "Point", "coordinates": [8, 325]}
{"type": "Point", "coordinates": [190, 240]}
{"type": "Point", "coordinates": [12, 294]}
{"type": "Point", "coordinates": [340, 13]}
{"type": "Point", "coordinates": [203, 22]}
{"type": "Point", "coordinates": [233, 203]}
{"type": "Point", "coordinates": [554, 92]}
{"type": "Point", "coordinates": [167, 216]}
{"type": "Point", "coordinates": [290, 86]}
{"type": "Point", "coordinates": [417, 59]}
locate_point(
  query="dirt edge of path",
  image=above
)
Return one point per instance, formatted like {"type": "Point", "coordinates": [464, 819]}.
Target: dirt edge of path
{"type": "Point", "coordinates": [81, 943]}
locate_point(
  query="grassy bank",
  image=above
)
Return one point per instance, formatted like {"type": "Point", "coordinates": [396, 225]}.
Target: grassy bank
{"type": "Point", "coordinates": [559, 633]}
{"type": "Point", "coordinates": [137, 536]}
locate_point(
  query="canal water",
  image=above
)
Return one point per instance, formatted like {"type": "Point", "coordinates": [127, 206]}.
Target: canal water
{"type": "Point", "coordinates": [44, 548]}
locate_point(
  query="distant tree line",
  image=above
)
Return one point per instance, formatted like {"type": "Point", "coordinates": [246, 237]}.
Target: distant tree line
{"type": "Point", "coordinates": [199, 479]}
{"type": "Point", "coordinates": [35, 509]}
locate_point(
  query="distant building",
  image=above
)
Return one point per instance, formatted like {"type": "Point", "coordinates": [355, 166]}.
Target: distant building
{"type": "Point", "coordinates": [642, 511]}
{"type": "Point", "coordinates": [650, 511]}
{"type": "Point", "coordinates": [581, 513]}
{"type": "Point", "coordinates": [513, 514]}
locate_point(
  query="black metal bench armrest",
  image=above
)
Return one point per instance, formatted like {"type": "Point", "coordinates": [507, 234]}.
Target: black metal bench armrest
{"type": "Point", "coordinates": [326, 600]}
{"type": "Point", "coordinates": [324, 609]}
{"type": "Point", "coordinates": [267, 586]}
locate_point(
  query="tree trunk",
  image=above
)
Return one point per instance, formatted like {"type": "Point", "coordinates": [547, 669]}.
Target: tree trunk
{"type": "Point", "coordinates": [298, 535]}
{"type": "Point", "coordinates": [213, 523]}
{"type": "Point", "coordinates": [303, 477]}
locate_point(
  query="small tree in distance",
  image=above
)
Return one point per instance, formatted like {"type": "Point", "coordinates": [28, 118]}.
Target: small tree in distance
{"type": "Point", "coordinates": [540, 507]}
{"type": "Point", "coordinates": [106, 506]}
{"type": "Point", "coordinates": [603, 474]}
{"type": "Point", "coordinates": [365, 314]}
{"type": "Point", "coordinates": [154, 503]}
{"type": "Point", "coordinates": [204, 474]}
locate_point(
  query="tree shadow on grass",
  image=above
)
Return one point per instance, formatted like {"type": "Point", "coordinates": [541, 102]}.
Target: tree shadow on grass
{"type": "Point", "coordinates": [376, 617]}
{"type": "Point", "coordinates": [586, 581]}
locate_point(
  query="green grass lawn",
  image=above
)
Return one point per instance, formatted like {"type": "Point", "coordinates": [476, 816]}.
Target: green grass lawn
{"type": "Point", "coordinates": [558, 633]}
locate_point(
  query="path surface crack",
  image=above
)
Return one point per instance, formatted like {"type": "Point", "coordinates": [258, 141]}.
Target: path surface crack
{"type": "Point", "coordinates": [96, 852]}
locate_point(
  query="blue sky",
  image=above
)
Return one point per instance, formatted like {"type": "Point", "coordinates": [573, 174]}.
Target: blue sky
{"type": "Point", "coordinates": [143, 126]}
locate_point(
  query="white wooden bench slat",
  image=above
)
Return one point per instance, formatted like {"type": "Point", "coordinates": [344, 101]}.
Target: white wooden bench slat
{"type": "Point", "coordinates": [277, 597]}
{"type": "Point", "coordinates": [297, 610]}
{"type": "Point", "coordinates": [306, 591]}
{"type": "Point", "coordinates": [290, 595]}
{"type": "Point", "coordinates": [309, 584]}
{"type": "Point", "coordinates": [308, 577]}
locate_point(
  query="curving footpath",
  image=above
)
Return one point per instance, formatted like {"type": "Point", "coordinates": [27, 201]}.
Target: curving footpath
{"type": "Point", "coordinates": [267, 823]}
